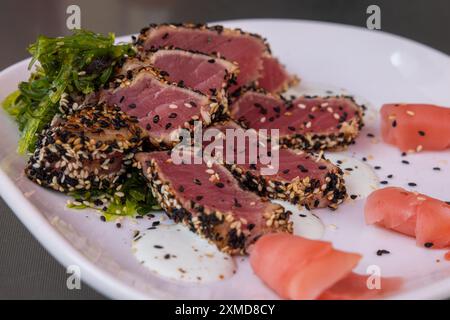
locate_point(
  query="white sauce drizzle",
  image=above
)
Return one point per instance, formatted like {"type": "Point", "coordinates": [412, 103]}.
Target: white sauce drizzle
{"type": "Point", "coordinates": [184, 255]}
{"type": "Point", "coordinates": [361, 180]}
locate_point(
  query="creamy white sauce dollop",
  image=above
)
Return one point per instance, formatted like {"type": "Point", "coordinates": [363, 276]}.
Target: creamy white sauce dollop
{"type": "Point", "coordinates": [360, 179]}
{"type": "Point", "coordinates": [174, 252]}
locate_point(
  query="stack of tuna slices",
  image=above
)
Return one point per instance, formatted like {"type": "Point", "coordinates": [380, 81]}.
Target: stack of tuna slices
{"type": "Point", "coordinates": [225, 78]}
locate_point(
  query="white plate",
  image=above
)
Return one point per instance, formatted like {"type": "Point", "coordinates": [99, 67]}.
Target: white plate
{"type": "Point", "coordinates": [376, 66]}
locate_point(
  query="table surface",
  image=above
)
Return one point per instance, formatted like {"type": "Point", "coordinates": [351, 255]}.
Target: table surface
{"type": "Point", "coordinates": [27, 271]}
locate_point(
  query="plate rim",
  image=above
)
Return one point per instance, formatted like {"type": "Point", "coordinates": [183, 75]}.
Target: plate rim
{"type": "Point", "coordinates": [104, 282]}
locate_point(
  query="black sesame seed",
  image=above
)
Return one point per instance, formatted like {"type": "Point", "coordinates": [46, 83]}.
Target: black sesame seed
{"type": "Point", "coordinates": [173, 115]}
{"type": "Point", "coordinates": [422, 133]}
{"type": "Point", "coordinates": [394, 123]}
{"type": "Point", "coordinates": [390, 176]}
{"type": "Point", "coordinates": [405, 161]}
{"type": "Point", "coordinates": [103, 218]}
{"type": "Point", "coordinates": [155, 223]}
{"type": "Point", "coordinates": [291, 128]}
{"type": "Point", "coordinates": [377, 167]}
{"type": "Point", "coordinates": [322, 167]}
{"type": "Point", "coordinates": [382, 251]}
{"type": "Point", "coordinates": [181, 189]}
{"type": "Point", "coordinates": [168, 125]}
{"type": "Point", "coordinates": [118, 225]}
{"type": "Point", "coordinates": [156, 119]}
{"type": "Point", "coordinates": [353, 196]}
{"type": "Point", "coordinates": [437, 169]}
{"type": "Point", "coordinates": [220, 185]}
{"type": "Point", "coordinates": [286, 171]}
{"type": "Point", "coordinates": [157, 246]}
{"type": "Point", "coordinates": [384, 182]}
{"type": "Point", "coordinates": [428, 244]}
{"type": "Point", "coordinates": [132, 105]}
{"type": "Point", "coordinates": [302, 215]}
{"type": "Point", "coordinates": [211, 60]}
{"type": "Point", "coordinates": [167, 256]}
{"type": "Point", "coordinates": [148, 126]}
{"type": "Point", "coordinates": [412, 184]}
{"type": "Point", "coordinates": [370, 135]}
{"type": "Point", "coordinates": [197, 182]}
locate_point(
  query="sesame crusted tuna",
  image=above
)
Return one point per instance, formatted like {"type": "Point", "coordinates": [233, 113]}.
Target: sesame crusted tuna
{"type": "Point", "coordinates": [246, 49]}
{"type": "Point", "coordinates": [206, 73]}
{"type": "Point", "coordinates": [307, 122]}
{"type": "Point", "coordinates": [302, 178]}
{"type": "Point", "coordinates": [210, 201]}
{"type": "Point", "coordinates": [88, 149]}
{"type": "Point", "coordinates": [162, 107]}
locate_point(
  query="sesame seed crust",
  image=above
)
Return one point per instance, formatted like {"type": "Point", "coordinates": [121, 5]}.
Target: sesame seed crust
{"type": "Point", "coordinates": [229, 233]}
{"type": "Point", "coordinates": [87, 149]}
{"type": "Point", "coordinates": [346, 136]}
{"type": "Point", "coordinates": [308, 192]}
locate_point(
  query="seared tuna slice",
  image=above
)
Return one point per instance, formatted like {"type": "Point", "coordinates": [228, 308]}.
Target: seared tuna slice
{"type": "Point", "coordinates": [88, 149]}
{"type": "Point", "coordinates": [208, 74]}
{"type": "Point", "coordinates": [246, 49]}
{"type": "Point", "coordinates": [274, 77]}
{"type": "Point", "coordinates": [307, 123]}
{"type": "Point", "coordinates": [210, 201]}
{"type": "Point", "coordinates": [161, 107]}
{"type": "Point", "coordinates": [301, 177]}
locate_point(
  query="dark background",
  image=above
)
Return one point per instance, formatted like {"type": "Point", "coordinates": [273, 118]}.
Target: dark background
{"type": "Point", "coordinates": [26, 269]}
